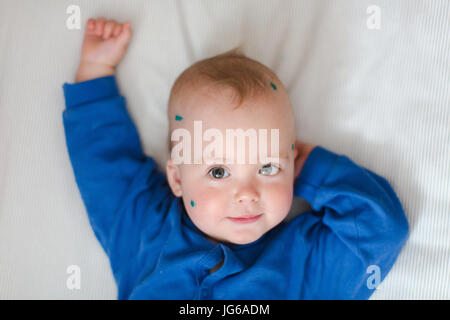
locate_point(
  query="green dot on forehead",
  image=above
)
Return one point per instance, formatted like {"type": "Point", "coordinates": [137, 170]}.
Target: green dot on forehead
{"type": "Point", "coordinates": [273, 86]}
{"type": "Point", "coordinates": [192, 203]}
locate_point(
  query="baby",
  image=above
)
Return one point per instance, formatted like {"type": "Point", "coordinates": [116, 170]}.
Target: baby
{"type": "Point", "coordinates": [215, 229]}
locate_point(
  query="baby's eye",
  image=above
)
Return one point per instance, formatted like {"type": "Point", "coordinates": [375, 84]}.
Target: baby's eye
{"type": "Point", "coordinates": [267, 169]}
{"type": "Point", "coordinates": [217, 172]}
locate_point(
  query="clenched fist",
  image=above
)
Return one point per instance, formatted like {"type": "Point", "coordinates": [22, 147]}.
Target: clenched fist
{"type": "Point", "coordinates": [104, 46]}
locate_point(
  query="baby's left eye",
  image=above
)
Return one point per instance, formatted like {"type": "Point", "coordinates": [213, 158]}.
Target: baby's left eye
{"type": "Point", "coordinates": [267, 169]}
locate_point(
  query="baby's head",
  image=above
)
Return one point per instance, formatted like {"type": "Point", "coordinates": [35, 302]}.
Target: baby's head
{"type": "Point", "coordinates": [213, 193]}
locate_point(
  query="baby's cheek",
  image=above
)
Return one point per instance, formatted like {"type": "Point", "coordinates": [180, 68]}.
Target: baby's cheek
{"type": "Point", "coordinates": [279, 199]}
{"type": "Point", "coordinates": [208, 202]}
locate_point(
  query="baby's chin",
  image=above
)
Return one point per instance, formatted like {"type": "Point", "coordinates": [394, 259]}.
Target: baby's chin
{"type": "Point", "coordinates": [243, 239]}
{"type": "Point", "coordinates": [242, 242]}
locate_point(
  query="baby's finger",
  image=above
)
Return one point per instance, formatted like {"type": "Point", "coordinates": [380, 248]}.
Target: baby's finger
{"type": "Point", "coordinates": [117, 30]}
{"type": "Point", "coordinates": [99, 26]}
{"type": "Point", "coordinates": [109, 26]}
{"type": "Point", "coordinates": [125, 35]}
{"type": "Point", "coordinates": [90, 27]}
{"type": "Point", "coordinates": [90, 24]}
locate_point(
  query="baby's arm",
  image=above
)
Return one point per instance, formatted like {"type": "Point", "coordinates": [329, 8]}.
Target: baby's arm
{"type": "Point", "coordinates": [356, 231]}
{"type": "Point", "coordinates": [120, 186]}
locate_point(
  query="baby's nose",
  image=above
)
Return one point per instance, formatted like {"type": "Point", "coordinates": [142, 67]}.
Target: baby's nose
{"type": "Point", "coordinates": [247, 194]}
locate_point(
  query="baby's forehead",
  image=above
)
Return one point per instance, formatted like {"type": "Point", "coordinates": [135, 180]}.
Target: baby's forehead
{"type": "Point", "coordinates": [220, 110]}
{"type": "Point", "coordinates": [249, 128]}
{"type": "Point", "coordinates": [223, 105]}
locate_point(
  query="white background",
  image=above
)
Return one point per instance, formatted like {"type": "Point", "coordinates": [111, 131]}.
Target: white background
{"type": "Point", "coordinates": [381, 97]}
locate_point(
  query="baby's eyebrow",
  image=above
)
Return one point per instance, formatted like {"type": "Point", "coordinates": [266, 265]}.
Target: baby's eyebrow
{"type": "Point", "coordinates": [220, 160]}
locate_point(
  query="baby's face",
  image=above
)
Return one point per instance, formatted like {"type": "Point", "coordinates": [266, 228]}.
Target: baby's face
{"type": "Point", "coordinates": [215, 194]}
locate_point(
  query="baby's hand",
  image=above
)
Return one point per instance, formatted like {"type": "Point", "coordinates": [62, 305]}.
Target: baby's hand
{"type": "Point", "coordinates": [104, 46]}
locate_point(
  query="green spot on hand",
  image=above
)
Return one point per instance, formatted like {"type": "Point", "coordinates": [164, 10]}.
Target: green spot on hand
{"type": "Point", "coordinates": [273, 86]}
{"type": "Point", "coordinates": [292, 146]}
{"type": "Point", "coordinates": [178, 118]}
{"type": "Point", "coordinates": [192, 203]}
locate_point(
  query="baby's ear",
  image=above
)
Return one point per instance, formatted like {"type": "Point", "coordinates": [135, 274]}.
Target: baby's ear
{"type": "Point", "coordinates": [173, 177]}
{"type": "Point", "coordinates": [297, 154]}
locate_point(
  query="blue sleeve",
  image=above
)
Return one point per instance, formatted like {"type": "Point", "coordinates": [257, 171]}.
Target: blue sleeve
{"type": "Point", "coordinates": [122, 189]}
{"type": "Point", "coordinates": [356, 230]}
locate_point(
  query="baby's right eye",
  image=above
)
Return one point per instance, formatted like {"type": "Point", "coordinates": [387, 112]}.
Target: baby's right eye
{"type": "Point", "coordinates": [218, 172]}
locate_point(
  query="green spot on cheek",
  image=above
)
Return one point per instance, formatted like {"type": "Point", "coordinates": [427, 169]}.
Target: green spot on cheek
{"type": "Point", "coordinates": [178, 118]}
{"type": "Point", "coordinates": [273, 86]}
{"type": "Point", "coordinates": [192, 203]}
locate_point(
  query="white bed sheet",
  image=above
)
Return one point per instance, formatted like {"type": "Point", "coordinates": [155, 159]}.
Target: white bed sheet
{"type": "Point", "coordinates": [380, 96]}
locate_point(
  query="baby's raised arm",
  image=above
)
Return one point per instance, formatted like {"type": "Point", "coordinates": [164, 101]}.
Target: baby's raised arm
{"type": "Point", "coordinates": [104, 46]}
{"type": "Point", "coordinates": [123, 191]}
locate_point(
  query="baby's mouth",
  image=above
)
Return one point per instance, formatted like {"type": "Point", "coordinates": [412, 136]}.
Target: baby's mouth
{"type": "Point", "coordinates": [246, 218]}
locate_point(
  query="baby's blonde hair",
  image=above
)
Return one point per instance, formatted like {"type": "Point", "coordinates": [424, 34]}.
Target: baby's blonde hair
{"type": "Point", "coordinates": [231, 69]}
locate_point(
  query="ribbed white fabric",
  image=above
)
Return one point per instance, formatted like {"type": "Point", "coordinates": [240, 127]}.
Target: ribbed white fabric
{"type": "Point", "coordinates": [380, 96]}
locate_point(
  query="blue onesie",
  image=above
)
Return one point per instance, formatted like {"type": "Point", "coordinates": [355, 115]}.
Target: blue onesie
{"type": "Point", "coordinates": [341, 249]}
